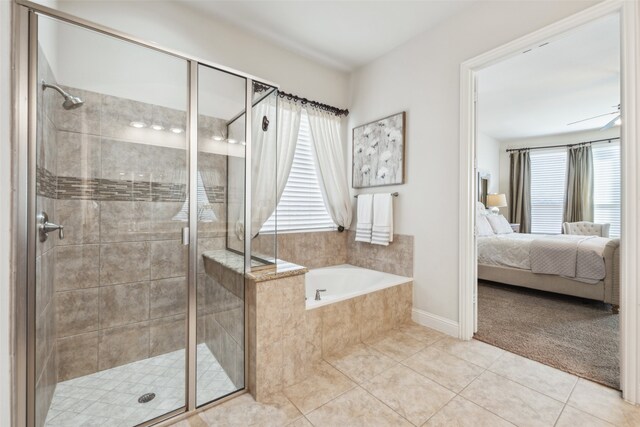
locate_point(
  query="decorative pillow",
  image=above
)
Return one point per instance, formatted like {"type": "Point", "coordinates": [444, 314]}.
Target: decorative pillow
{"type": "Point", "coordinates": [483, 227]}
{"type": "Point", "coordinates": [499, 224]}
{"type": "Point", "coordinates": [480, 209]}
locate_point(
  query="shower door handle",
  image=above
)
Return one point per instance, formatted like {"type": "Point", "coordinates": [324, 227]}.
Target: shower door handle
{"type": "Point", "coordinates": [185, 236]}
{"type": "Point", "coordinates": [45, 227]}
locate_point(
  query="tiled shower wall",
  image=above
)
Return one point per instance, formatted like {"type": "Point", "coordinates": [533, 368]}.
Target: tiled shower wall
{"type": "Point", "coordinates": [120, 272]}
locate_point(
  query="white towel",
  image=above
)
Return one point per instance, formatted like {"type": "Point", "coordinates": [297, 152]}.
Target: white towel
{"type": "Point", "coordinates": [382, 230]}
{"type": "Point", "coordinates": [365, 216]}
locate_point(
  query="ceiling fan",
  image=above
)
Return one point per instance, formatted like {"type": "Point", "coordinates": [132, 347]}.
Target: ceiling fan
{"type": "Point", "coordinates": [608, 125]}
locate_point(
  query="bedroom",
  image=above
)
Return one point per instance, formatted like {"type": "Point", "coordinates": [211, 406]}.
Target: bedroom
{"type": "Point", "coordinates": [548, 219]}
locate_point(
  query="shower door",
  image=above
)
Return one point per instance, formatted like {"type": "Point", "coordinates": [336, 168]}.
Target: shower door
{"type": "Point", "coordinates": [220, 331]}
{"type": "Point", "coordinates": [112, 179]}
{"type": "Point", "coordinates": [137, 176]}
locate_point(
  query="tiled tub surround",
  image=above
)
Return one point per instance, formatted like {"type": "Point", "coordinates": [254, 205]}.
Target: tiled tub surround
{"type": "Point", "coordinates": [326, 248]}
{"type": "Point", "coordinates": [120, 272]}
{"type": "Point", "coordinates": [224, 295]}
{"type": "Point", "coordinates": [397, 258]}
{"type": "Point", "coordinates": [287, 340]}
{"type": "Point", "coordinates": [311, 249]}
{"type": "Point", "coordinates": [278, 350]}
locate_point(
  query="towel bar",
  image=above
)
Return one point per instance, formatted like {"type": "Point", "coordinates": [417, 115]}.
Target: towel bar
{"type": "Point", "coordinates": [393, 194]}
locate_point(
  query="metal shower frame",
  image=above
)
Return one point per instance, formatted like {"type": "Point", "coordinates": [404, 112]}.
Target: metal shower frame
{"type": "Point", "coordinates": [25, 18]}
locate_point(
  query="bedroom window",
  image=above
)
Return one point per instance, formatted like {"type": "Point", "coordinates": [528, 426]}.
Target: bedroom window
{"type": "Point", "coordinates": [548, 174]}
{"type": "Point", "coordinates": [301, 206]}
{"type": "Point", "coordinates": [606, 168]}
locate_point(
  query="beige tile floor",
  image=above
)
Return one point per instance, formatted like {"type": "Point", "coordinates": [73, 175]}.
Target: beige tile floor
{"type": "Point", "coordinates": [417, 376]}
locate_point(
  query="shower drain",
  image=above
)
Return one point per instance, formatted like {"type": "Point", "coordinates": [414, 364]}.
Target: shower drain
{"type": "Point", "coordinates": [147, 397]}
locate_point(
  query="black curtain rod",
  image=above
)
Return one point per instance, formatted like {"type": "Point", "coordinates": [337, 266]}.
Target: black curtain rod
{"type": "Point", "coordinates": [315, 104]}
{"type": "Point", "coordinates": [608, 140]}
{"type": "Point", "coordinates": [259, 87]}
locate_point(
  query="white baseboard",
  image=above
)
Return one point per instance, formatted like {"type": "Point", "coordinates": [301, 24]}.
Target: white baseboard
{"type": "Point", "coordinates": [433, 321]}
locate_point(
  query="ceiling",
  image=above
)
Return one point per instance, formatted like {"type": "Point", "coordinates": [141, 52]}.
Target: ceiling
{"type": "Point", "coordinates": [537, 93]}
{"type": "Point", "coordinates": [341, 34]}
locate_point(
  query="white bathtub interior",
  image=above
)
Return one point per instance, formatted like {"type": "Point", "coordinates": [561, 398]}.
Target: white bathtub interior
{"type": "Point", "coordinates": [346, 281]}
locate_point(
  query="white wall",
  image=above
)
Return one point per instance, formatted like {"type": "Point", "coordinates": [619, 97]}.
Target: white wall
{"type": "Point", "coordinates": [546, 141]}
{"type": "Point", "coordinates": [5, 210]}
{"type": "Point", "coordinates": [423, 78]}
{"type": "Point", "coordinates": [174, 25]}
{"type": "Point", "coordinates": [488, 155]}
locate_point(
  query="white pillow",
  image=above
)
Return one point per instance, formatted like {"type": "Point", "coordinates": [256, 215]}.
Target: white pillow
{"type": "Point", "coordinates": [499, 224]}
{"type": "Point", "coordinates": [480, 209]}
{"type": "Point", "coordinates": [483, 227]}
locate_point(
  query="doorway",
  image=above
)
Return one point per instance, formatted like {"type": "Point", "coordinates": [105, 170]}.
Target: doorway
{"type": "Point", "coordinates": [468, 270]}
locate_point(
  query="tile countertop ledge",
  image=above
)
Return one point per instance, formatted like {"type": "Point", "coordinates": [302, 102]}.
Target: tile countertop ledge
{"type": "Point", "coordinates": [283, 269]}
{"type": "Point", "coordinates": [235, 262]}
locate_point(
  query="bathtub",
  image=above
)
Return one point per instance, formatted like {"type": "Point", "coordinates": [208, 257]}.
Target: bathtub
{"type": "Point", "coordinates": [343, 282]}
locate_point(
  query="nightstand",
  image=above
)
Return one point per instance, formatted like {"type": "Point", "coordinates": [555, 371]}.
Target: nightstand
{"type": "Point", "coordinates": [515, 227]}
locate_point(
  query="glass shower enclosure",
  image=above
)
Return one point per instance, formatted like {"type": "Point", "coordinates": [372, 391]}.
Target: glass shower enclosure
{"type": "Point", "coordinates": [139, 183]}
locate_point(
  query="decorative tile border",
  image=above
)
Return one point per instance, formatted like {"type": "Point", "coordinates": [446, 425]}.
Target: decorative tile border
{"type": "Point", "coordinates": [45, 183]}
{"type": "Point", "coordinates": [72, 188]}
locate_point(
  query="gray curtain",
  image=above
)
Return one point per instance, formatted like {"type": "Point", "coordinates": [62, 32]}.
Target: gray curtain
{"type": "Point", "coordinates": [578, 202]}
{"type": "Point", "coordinates": [520, 189]}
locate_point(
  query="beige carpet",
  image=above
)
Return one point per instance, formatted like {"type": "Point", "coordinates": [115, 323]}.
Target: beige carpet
{"type": "Point", "coordinates": [572, 334]}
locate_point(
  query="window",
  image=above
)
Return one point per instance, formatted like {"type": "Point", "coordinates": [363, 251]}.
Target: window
{"type": "Point", "coordinates": [606, 192]}
{"type": "Point", "coordinates": [301, 206]}
{"type": "Point", "coordinates": [548, 181]}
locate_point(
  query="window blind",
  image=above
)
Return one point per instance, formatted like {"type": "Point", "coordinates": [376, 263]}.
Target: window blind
{"type": "Point", "coordinates": [606, 191]}
{"type": "Point", "coordinates": [301, 206]}
{"type": "Point", "coordinates": [548, 181]}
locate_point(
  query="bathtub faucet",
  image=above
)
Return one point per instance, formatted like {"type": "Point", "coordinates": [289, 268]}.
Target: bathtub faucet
{"type": "Point", "coordinates": [318, 293]}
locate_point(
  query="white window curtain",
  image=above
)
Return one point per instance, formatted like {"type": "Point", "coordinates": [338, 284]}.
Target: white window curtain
{"type": "Point", "coordinates": [329, 151]}
{"type": "Point", "coordinates": [271, 166]}
{"type": "Point", "coordinates": [301, 206]}
{"type": "Point", "coordinates": [205, 209]}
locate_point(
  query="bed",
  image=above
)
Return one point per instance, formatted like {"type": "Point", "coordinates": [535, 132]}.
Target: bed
{"type": "Point", "coordinates": [582, 266]}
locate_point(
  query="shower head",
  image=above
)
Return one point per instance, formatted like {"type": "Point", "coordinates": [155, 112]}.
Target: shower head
{"type": "Point", "coordinates": [70, 102]}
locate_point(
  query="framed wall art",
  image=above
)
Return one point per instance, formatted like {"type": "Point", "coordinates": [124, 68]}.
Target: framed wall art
{"type": "Point", "coordinates": [378, 152]}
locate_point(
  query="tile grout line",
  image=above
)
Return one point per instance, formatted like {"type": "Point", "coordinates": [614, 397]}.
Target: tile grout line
{"type": "Point", "coordinates": [515, 381]}
{"type": "Point", "coordinates": [526, 386]}
{"type": "Point", "coordinates": [474, 403]}
{"type": "Point", "coordinates": [580, 409]}
{"type": "Point", "coordinates": [547, 366]}
{"type": "Point", "coordinates": [384, 403]}
{"type": "Point", "coordinates": [355, 385]}
{"type": "Point", "coordinates": [484, 369]}
{"type": "Point", "coordinates": [440, 384]}
{"type": "Point", "coordinates": [559, 415]}
{"type": "Point", "coordinates": [478, 405]}
{"type": "Point", "coordinates": [489, 410]}
{"type": "Point", "coordinates": [396, 364]}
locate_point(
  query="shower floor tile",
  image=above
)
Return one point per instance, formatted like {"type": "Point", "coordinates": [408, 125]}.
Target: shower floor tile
{"type": "Point", "coordinates": [110, 397]}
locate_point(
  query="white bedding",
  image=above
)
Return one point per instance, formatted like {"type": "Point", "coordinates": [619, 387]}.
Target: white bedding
{"type": "Point", "coordinates": [513, 250]}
